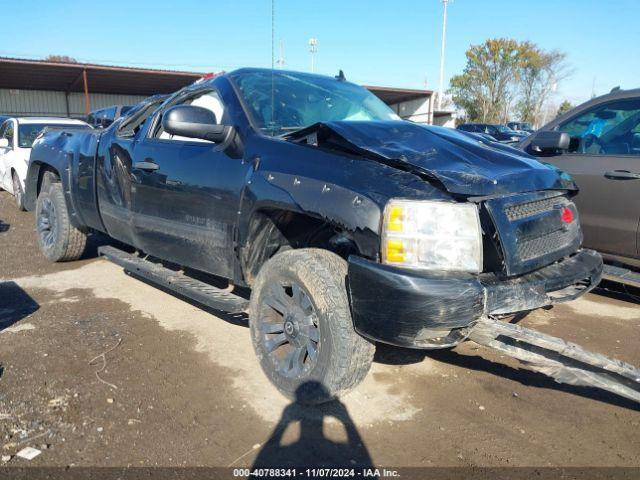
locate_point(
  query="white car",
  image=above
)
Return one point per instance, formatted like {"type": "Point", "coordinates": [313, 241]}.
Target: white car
{"type": "Point", "coordinates": [16, 137]}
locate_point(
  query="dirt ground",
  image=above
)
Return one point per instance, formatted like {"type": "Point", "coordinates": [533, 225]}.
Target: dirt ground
{"type": "Point", "coordinates": [179, 385]}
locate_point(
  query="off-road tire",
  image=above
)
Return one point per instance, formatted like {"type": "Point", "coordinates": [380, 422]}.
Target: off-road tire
{"type": "Point", "coordinates": [64, 242]}
{"type": "Point", "coordinates": [343, 357]}
{"type": "Point", "coordinates": [18, 194]}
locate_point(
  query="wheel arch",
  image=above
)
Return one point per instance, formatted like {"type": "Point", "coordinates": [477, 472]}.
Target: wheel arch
{"type": "Point", "coordinates": [274, 229]}
{"type": "Point", "coordinates": [33, 185]}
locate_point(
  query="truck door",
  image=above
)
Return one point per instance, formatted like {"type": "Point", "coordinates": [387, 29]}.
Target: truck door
{"type": "Point", "coordinates": [604, 160]}
{"type": "Point", "coordinates": [187, 195]}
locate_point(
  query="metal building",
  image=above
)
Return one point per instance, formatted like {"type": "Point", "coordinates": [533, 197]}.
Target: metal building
{"type": "Point", "coordinates": [44, 88]}
{"type": "Point", "coordinates": [37, 87]}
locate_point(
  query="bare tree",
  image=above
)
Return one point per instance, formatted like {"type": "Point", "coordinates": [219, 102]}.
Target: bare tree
{"type": "Point", "coordinates": [539, 74]}
{"type": "Point", "coordinates": [60, 59]}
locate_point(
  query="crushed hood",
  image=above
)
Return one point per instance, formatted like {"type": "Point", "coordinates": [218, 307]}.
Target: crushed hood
{"type": "Point", "coordinates": [461, 163]}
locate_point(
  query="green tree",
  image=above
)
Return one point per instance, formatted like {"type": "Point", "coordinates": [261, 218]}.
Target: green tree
{"type": "Point", "coordinates": [503, 75]}
{"type": "Point", "coordinates": [565, 106]}
{"type": "Point", "coordinates": [485, 88]}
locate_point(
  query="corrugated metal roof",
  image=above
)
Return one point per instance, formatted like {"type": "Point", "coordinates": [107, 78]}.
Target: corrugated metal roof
{"type": "Point", "coordinates": [16, 73]}
{"type": "Point", "coordinates": [25, 74]}
{"type": "Point", "coordinates": [392, 95]}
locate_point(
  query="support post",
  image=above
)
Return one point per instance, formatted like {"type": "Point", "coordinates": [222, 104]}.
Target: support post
{"type": "Point", "coordinates": [87, 105]}
{"type": "Point", "coordinates": [66, 103]}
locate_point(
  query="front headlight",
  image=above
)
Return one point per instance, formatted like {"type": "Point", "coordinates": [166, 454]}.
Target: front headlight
{"type": "Point", "coordinates": [432, 235]}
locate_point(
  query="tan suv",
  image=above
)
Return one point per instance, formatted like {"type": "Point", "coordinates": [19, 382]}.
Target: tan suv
{"type": "Point", "coordinates": [598, 144]}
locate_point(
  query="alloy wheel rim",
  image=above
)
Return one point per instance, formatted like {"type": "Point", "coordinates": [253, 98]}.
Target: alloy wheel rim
{"type": "Point", "coordinates": [47, 226]}
{"type": "Point", "coordinates": [289, 330]}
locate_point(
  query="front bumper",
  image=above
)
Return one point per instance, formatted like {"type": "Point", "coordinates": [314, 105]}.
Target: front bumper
{"type": "Point", "coordinates": [410, 308]}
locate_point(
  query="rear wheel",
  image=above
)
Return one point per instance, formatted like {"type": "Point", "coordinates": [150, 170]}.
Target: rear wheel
{"type": "Point", "coordinates": [59, 241]}
{"type": "Point", "coordinates": [301, 326]}
{"type": "Point", "coordinates": [18, 194]}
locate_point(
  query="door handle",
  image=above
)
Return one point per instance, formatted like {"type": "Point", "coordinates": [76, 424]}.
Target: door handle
{"type": "Point", "coordinates": [622, 175]}
{"type": "Point", "coordinates": [146, 165]}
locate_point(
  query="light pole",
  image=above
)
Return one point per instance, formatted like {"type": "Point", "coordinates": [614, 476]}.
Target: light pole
{"type": "Point", "coordinates": [280, 62]}
{"type": "Point", "coordinates": [313, 48]}
{"type": "Point", "coordinates": [444, 31]}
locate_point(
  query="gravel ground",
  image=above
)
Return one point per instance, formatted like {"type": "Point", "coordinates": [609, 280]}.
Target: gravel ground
{"type": "Point", "coordinates": [177, 385]}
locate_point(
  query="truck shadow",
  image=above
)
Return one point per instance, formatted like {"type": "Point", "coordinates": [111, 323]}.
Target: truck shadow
{"type": "Point", "coordinates": [313, 448]}
{"type": "Point", "coordinates": [96, 240]}
{"type": "Point", "coordinates": [15, 304]}
{"type": "Point", "coordinates": [389, 355]}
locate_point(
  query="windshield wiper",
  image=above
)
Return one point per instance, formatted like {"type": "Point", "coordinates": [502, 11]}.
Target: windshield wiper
{"type": "Point", "coordinates": [283, 130]}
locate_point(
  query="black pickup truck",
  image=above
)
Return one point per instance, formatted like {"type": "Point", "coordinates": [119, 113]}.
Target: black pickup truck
{"type": "Point", "coordinates": [304, 200]}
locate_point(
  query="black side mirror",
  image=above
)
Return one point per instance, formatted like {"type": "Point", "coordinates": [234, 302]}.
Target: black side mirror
{"type": "Point", "coordinates": [194, 122]}
{"type": "Point", "coordinates": [550, 141]}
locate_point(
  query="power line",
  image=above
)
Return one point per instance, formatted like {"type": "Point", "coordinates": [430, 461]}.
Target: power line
{"type": "Point", "coordinates": [280, 60]}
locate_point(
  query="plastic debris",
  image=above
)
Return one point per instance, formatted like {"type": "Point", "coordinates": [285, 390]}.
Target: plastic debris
{"type": "Point", "coordinates": [28, 453]}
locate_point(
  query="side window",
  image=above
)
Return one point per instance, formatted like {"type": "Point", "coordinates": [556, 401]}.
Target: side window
{"type": "Point", "coordinates": [608, 129]}
{"type": "Point", "coordinates": [135, 122]}
{"type": "Point", "coordinates": [209, 100]}
{"type": "Point", "coordinates": [108, 116]}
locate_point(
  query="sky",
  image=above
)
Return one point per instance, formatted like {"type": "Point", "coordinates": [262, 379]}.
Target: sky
{"type": "Point", "coordinates": [387, 43]}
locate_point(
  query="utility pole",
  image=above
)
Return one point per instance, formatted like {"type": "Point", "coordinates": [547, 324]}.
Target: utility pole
{"type": "Point", "coordinates": [444, 31]}
{"type": "Point", "coordinates": [313, 49]}
{"type": "Point", "coordinates": [280, 60]}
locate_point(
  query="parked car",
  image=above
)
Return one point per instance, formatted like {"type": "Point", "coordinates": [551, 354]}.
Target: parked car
{"type": "Point", "coordinates": [598, 143]}
{"type": "Point", "coordinates": [104, 117]}
{"type": "Point", "coordinates": [483, 137]}
{"type": "Point", "coordinates": [524, 127]}
{"type": "Point", "coordinates": [16, 137]}
{"type": "Point", "coordinates": [499, 132]}
{"type": "Point", "coordinates": [349, 225]}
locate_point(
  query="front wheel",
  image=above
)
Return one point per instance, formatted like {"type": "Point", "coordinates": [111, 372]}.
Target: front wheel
{"type": "Point", "coordinates": [301, 326]}
{"type": "Point", "coordinates": [58, 239]}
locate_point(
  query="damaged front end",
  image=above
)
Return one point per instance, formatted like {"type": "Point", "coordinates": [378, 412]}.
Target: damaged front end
{"type": "Point", "coordinates": [531, 255]}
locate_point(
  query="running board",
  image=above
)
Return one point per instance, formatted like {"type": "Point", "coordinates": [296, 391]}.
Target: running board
{"type": "Point", "coordinates": [177, 282]}
{"type": "Point", "coordinates": [621, 275]}
{"type": "Point", "coordinates": [563, 361]}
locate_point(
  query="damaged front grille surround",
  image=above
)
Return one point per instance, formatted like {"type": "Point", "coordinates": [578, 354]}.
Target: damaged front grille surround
{"type": "Point", "coordinates": [531, 232]}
